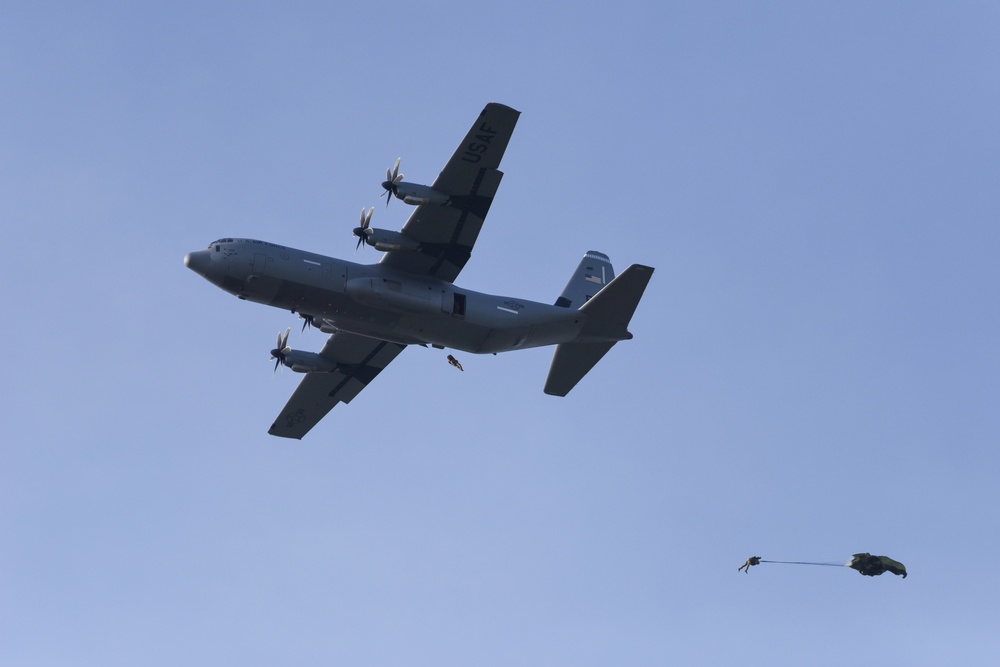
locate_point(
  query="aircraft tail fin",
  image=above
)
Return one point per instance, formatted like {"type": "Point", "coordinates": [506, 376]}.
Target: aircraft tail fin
{"type": "Point", "coordinates": [608, 314]}
{"type": "Point", "coordinates": [593, 273]}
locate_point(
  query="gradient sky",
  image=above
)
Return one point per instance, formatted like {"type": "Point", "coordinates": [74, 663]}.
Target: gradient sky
{"type": "Point", "coordinates": [815, 370]}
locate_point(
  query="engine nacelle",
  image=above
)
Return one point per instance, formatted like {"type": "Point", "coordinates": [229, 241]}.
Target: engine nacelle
{"type": "Point", "coordinates": [320, 323]}
{"type": "Point", "coordinates": [417, 195]}
{"type": "Point", "coordinates": [307, 362]}
{"type": "Point", "coordinates": [385, 240]}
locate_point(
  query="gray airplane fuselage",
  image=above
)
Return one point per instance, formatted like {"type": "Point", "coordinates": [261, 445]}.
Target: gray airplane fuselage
{"type": "Point", "coordinates": [379, 302]}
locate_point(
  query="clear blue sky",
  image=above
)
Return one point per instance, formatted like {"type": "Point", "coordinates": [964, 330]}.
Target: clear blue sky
{"type": "Point", "coordinates": [815, 369]}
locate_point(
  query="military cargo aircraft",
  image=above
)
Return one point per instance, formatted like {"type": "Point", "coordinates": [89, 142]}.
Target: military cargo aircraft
{"type": "Point", "coordinates": [373, 311]}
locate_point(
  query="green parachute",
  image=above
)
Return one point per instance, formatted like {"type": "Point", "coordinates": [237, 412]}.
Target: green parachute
{"type": "Point", "coordinates": [865, 563]}
{"type": "Point", "coordinates": [872, 566]}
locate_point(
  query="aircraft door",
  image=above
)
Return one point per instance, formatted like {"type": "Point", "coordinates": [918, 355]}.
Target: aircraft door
{"type": "Point", "coordinates": [335, 276]}
{"type": "Point", "coordinates": [260, 262]}
{"type": "Point", "coordinates": [458, 305]}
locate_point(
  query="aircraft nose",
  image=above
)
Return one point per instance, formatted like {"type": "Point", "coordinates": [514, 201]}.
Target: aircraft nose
{"type": "Point", "coordinates": [198, 261]}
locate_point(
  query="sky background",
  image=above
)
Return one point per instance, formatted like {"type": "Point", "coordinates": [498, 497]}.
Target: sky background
{"type": "Point", "coordinates": [815, 370]}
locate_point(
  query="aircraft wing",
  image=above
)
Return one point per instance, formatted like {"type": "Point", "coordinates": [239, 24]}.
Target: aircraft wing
{"type": "Point", "coordinates": [446, 233]}
{"type": "Point", "coordinates": [359, 360]}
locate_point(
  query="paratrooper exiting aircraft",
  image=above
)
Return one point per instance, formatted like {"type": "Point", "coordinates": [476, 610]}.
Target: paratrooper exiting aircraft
{"type": "Point", "coordinates": [373, 311]}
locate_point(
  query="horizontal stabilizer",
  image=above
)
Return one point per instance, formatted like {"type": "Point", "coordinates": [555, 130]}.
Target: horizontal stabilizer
{"type": "Point", "coordinates": [570, 363]}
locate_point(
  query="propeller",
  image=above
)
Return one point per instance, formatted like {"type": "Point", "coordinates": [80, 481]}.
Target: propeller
{"type": "Point", "coordinates": [392, 180]}
{"type": "Point", "coordinates": [308, 321]}
{"type": "Point", "coordinates": [360, 232]}
{"type": "Point", "coordinates": [278, 353]}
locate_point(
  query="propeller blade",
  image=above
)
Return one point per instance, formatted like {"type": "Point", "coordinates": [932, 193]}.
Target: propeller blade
{"type": "Point", "coordinates": [392, 179]}
{"type": "Point", "coordinates": [278, 353]}
{"type": "Point", "coordinates": [366, 221]}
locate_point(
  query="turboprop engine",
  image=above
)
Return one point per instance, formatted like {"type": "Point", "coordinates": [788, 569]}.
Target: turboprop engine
{"type": "Point", "coordinates": [384, 240]}
{"type": "Point", "coordinates": [413, 194]}
{"type": "Point", "coordinates": [381, 239]}
{"type": "Point", "coordinates": [417, 195]}
{"type": "Point", "coordinates": [299, 361]}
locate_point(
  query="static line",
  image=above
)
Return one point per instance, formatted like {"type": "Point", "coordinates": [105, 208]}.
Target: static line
{"type": "Point", "coordinates": [799, 562]}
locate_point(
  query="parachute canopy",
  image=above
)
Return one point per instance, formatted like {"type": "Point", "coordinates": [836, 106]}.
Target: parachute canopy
{"type": "Point", "coordinates": [866, 564]}
{"type": "Point", "coordinates": [872, 566]}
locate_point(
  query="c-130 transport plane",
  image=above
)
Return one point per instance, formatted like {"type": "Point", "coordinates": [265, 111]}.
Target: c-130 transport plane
{"type": "Point", "coordinates": [409, 298]}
